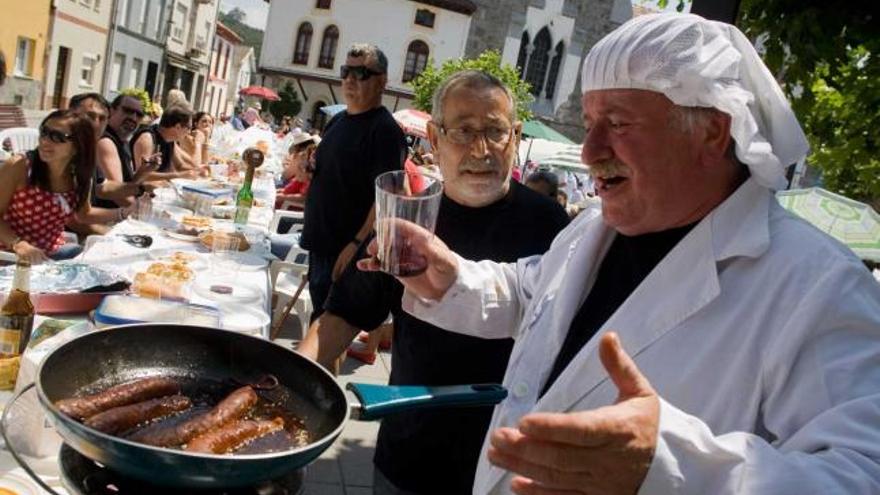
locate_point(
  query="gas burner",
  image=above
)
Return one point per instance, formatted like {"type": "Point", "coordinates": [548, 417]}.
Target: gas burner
{"type": "Point", "coordinates": [84, 476]}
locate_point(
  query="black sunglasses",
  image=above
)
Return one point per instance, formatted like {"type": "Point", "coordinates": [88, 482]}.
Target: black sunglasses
{"type": "Point", "coordinates": [132, 111]}
{"type": "Point", "coordinates": [360, 72]}
{"type": "Point", "coordinates": [55, 135]}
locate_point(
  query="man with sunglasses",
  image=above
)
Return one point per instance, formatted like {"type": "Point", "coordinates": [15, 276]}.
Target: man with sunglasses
{"type": "Point", "coordinates": [358, 144]}
{"type": "Point", "coordinates": [474, 134]}
{"type": "Point", "coordinates": [114, 172]}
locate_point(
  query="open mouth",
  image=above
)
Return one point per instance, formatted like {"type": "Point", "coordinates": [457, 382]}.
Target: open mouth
{"type": "Point", "coordinates": [604, 184]}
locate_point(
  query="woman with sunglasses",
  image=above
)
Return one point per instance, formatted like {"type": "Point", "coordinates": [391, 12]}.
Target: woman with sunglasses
{"type": "Point", "coordinates": [46, 188]}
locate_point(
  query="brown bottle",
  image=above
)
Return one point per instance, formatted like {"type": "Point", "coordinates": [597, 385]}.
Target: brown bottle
{"type": "Point", "coordinates": [17, 313]}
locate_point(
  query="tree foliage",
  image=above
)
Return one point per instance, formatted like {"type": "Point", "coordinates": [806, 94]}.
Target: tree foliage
{"type": "Point", "coordinates": [289, 104]}
{"type": "Point", "coordinates": [828, 55]}
{"type": "Point", "coordinates": [488, 61]}
{"type": "Point", "coordinates": [235, 20]}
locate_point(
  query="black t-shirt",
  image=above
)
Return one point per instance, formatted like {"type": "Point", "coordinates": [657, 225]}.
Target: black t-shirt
{"type": "Point", "coordinates": [354, 150]}
{"type": "Point", "coordinates": [159, 145]}
{"type": "Point", "coordinates": [436, 451]}
{"type": "Point", "coordinates": [629, 260]}
{"type": "Point", "coordinates": [124, 153]}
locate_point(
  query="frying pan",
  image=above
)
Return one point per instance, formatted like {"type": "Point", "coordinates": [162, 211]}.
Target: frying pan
{"type": "Point", "coordinates": [204, 357]}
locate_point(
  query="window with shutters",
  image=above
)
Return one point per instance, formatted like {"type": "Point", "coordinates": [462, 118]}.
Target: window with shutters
{"type": "Point", "coordinates": [538, 61]}
{"type": "Point", "coordinates": [328, 47]}
{"type": "Point", "coordinates": [553, 73]}
{"type": "Point", "coordinates": [416, 60]}
{"type": "Point", "coordinates": [303, 43]}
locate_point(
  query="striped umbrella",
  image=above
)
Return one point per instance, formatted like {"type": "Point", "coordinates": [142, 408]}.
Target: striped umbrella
{"type": "Point", "coordinates": [413, 122]}
{"type": "Point", "coordinates": [569, 158]}
{"type": "Point", "coordinates": [853, 223]}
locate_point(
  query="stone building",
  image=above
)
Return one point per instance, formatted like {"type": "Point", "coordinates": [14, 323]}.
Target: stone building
{"type": "Point", "coordinates": [547, 40]}
{"type": "Point", "coordinates": [244, 67]}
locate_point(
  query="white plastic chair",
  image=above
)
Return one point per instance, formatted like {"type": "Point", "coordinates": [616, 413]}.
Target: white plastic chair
{"type": "Point", "coordinates": [298, 216]}
{"type": "Point", "coordinates": [22, 139]}
{"type": "Point", "coordinates": [290, 279]}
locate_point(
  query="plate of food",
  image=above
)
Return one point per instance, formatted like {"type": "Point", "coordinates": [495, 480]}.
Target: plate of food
{"type": "Point", "coordinates": [210, 237]}
{"type": "Point", "coordinates": [161, 280]}
{"type": "Point", "coordinates": [190, 259]}
{"type": "Point", "coordinates": [189, 228]}
{"type": "Point", "coordinates": [221, 288]}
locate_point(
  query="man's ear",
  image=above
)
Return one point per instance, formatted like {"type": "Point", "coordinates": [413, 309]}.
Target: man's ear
{"type": "Point", "coordinates": [517, 133]}
{"type": "Point", "coordinates": [433, 136]}
{"type": "Point", "coordinates": [716, 134]}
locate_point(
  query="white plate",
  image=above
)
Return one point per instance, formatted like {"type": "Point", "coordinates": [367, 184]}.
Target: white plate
{"type": "Point", "coordinates": [181, 237]}
{"type": "Point", "coordinates": [240, 293]}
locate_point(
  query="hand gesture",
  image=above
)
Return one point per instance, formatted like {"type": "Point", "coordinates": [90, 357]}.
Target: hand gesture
{"type": "Point", "coordinates": [149, 164]}
{"type": "Point", "coordinates": [442, 264]}
{"type": "Point", "coordinates": [29, 252]}
{"type": "Point", "coordinates": [604, 450]}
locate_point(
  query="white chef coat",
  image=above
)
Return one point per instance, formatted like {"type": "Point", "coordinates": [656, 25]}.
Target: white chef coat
{"type": "Point", "coordinates": [760, 334]}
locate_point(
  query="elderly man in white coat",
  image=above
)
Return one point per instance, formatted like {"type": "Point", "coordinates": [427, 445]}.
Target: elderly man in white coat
{"type": "Point", "coordinates": [752, 340]}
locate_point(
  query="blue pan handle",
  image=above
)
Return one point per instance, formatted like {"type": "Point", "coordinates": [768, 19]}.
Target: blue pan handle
{"type": "Point", "coordinates": [378, 401]}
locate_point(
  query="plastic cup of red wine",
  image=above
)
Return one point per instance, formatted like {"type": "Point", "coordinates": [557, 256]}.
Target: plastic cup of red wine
{"type": "Point", "coordinates": [409, 196]}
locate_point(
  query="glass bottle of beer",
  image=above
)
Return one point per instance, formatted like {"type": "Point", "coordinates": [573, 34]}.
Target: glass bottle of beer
{"type": "Point", "coordinates": [253, 158]}
{"type": "Point", "coordinates": [17, 313]}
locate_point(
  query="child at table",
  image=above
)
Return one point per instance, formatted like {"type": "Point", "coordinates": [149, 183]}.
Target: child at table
{"type": "Point", "coordinates": [302, 163]}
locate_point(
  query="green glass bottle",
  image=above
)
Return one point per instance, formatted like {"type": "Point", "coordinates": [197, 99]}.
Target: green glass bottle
{"type": "Point", "coordinates": [245, 199]}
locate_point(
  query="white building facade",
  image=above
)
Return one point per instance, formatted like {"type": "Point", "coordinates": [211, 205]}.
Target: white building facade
{"type": "Point", "coordinates": [188, 47]}
{"type": "Point", "coordinates": [220, 73]}
{"type": "Point", "coordinates": [306, 41]}
{"type": "Point", "coordinates": [77, 54]}
{"type": "Point", "coordinates": [244, 67]}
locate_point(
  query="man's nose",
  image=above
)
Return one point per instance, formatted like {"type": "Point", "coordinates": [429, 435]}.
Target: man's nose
{"type": "Point", "coordinates": [480, 145]}
{"type": "Point", "coordinates": [596, 148]}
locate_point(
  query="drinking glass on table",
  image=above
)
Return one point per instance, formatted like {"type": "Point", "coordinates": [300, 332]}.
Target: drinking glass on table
{"type": "Point", "coordinates": [408, 196]}
{"type": "Point", "coordinates": [224, 254]}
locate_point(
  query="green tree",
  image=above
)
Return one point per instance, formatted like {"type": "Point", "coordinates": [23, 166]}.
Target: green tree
{"type": "Point", "coordinates": [488, 61]}
{"type": "Point", "coordinates": [289, 104]}
{"type": "Point", "coordinates": [827, 55]}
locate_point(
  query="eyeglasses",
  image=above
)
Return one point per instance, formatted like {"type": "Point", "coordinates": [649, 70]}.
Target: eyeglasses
{"type": "Point", "coordinates": [360, 72]}
{"type": "Point", "coordinates": [466, 136]}
{"type": "Point", "coordinates": [55, 135]}
{"type": "Point", "coordinates": [132, 111]}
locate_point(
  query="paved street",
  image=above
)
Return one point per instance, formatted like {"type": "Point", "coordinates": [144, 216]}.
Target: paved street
{"type": "Point", "coordinates": [346, 468]}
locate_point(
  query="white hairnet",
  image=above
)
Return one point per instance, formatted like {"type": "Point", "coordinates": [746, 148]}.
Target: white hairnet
{"type": "Point", "coordinates": [700, 63]}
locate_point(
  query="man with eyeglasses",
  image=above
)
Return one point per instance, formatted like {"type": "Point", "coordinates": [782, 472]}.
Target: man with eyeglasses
{"type": "Point", "coordinates": [474, 134]}
{"type": "Point", "coordinates": [358, 144]}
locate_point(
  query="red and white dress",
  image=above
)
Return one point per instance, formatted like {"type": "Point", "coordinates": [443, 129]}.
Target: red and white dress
{"type": "Point", "coordinates": [39, 216]}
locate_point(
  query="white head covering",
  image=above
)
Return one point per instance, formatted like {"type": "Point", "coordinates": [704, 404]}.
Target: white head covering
{"type": "Point", "coordinates": [700, 63]}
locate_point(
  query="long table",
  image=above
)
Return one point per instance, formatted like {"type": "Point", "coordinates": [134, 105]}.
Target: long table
{"type": "Point", "coordinates": [112, 252]}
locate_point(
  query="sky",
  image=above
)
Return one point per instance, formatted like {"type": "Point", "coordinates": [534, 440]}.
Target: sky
{"type": "Point", "coordinates": [256, 11]}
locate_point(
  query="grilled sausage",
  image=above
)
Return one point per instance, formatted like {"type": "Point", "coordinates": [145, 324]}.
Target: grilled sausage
{"type": "Point", "coordinates": [120, 419]}
{"type": "Point", "coordinates": [232, 436]}
{"type": "Point", "coordinates": [120, 395]}
{"type": "Point", "coordinates": [233, 407]}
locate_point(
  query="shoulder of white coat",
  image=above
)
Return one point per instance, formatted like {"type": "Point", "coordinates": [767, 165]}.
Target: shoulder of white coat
{"type": "Point", "coordinates": [576, 229]}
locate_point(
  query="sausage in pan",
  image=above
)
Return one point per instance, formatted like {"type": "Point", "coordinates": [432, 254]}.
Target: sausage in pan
{"type": "Point", "coordinates": [233, 407]}
{"type": "Point", "coordinates": [233, 435]}
{"type": "Point", "coordinates": [120, 395]}
{"type": "Point", "coordinates": [123, 418]}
